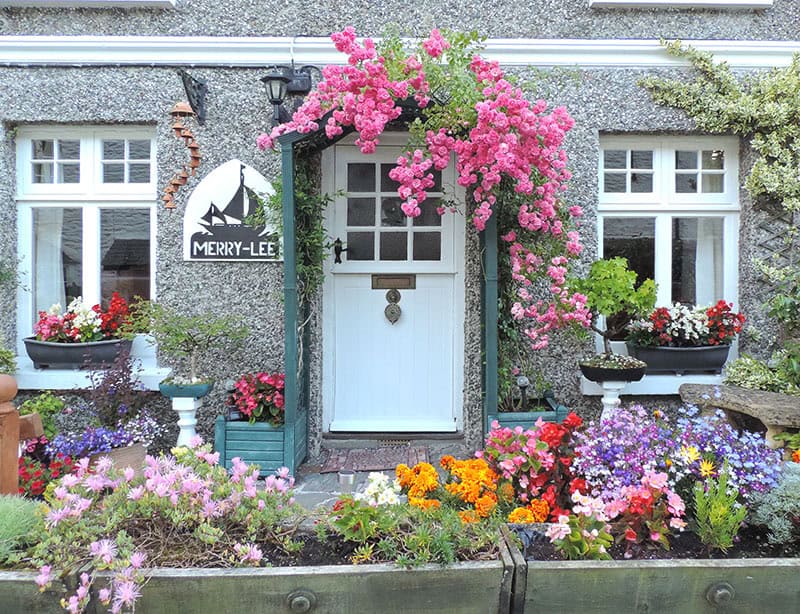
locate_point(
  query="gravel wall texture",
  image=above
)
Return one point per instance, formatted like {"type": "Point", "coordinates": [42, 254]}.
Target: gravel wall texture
{"type": "Point", "coordinates": [500, 19]}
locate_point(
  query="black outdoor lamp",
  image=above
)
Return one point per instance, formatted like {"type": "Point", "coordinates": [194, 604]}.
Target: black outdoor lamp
{"type": "Point", "coordinates": [283, 80]}
{"type": "Point", "coordinates": [523, 383]}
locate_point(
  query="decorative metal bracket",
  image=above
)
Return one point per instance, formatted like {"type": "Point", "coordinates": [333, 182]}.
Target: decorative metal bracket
{"type": "Point", "coordinates": [196, 90]}
{"type": "Point", "coordinates": [337, 251]}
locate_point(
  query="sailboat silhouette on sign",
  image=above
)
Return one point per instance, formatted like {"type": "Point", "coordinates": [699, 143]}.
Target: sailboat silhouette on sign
{"type": "Point", "coordinates": [226, 235]}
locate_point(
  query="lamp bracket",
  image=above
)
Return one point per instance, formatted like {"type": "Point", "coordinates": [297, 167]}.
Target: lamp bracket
{"type": "Point", "coordinates": [196, 90]}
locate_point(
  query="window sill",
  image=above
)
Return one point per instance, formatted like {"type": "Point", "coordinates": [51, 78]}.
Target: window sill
{"type": "Point", "coordinates": [143, 353]}
{"type": "Point", "coordinates": [652, 385]}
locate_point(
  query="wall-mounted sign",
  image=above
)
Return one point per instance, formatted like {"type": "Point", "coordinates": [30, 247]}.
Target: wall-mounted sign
{"type": "Point", "coordinates": [215, 223]}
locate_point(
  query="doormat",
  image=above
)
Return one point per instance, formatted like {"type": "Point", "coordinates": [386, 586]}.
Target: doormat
{"type": "Point", "coordinates": [373, 459]}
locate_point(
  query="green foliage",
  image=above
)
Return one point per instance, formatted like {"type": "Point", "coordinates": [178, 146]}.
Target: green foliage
{"type": "Point", "coordinates": [19, 526]}
{"type": "Point", "coordinates": [792, 440]}
{"type": "Point", "coordinates": [610, 289]}
{"type": "Point", "coordinates": [48, 406]}
{"type": "Point", "coordinates": [412, 536]}
{"type": "Point", "coordinates": [779, 508]}
{"type": "Point", "coordinates": [8, 363]}
{"type": "Point", "coordinates": [588, 539]}
{"type": "Point", "coordinates": [313, 244]}
{"type": "Point", "coordinates": [187, 336]}
{"type": "Point", "coordinates": [717, 514]}
{"type": "Point", "coordinates": [749, 372]}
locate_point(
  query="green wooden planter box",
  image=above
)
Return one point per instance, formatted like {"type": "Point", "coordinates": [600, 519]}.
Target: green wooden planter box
{"type": "Point", "coordinates": [481, 587]}
{"type": "Point", "coordinates": [262, 444]}
{"type": "Point", "coordinates": [527, 419]}
{"type": "Point", "coordinates": [19, 593]}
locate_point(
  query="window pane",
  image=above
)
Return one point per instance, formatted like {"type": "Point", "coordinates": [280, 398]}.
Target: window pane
{"type": "Point", "coordinates": [114, 150]}
{"type": "Point", "coordinates": [714, 159]}
{"type": "Point", "coordinates": [427, 246]}
{"type": "Point", "coordinates": [613, 158]}
{"type": "Point", "coordinates": [69, 173]}
{"type": "Point", "coordinates": [114, 173]}
{"type": "Point", "coordinates": [686, 184]}
{"type": "Point", "coordinates": [57, 257]}
{"type": "Point", "coordinates": [614, 182]}
{"type": "Point", "coordinates": [360, 177]}
{"type": "Point", "coordinates": [429, 216]}
{"type": "Point", "coordinates": [139, 173]}
{"type": "Point", "coordinates": [69, 150]}
{"type": "Point", "coordinates": [360, 246]}
{"type": "Point", "coordinates": [43, 150]}
{"type": "Point", "coordinates": [697, 260]}
{"type": "Point", "coordinates": [632, 238]}
{"type": "Point", "coordinates": [712, 184]}
{"type": "Point", "coordinates": [43, 172]}
{"type": "Point", "coordinates": [641, 182]}
{"type": "Point", "coordinates": [387, 184]}
{"type": "Point", "coordinates": [685, 159]}
{"type": "Point", "coordinates": [642, 159]}
{"type": "Point", "coordinates": [437, 181]}
{"type": "Point", "coordinates": [139, 150]}
{"type": "Point", "coordinates": [394, 245]}
{"type": "Point", "coordinates": [360, 211]}
{"type": "Point", "coordinates": [125, 252]}
{"type": "Point", "coordinates": [391, 213]}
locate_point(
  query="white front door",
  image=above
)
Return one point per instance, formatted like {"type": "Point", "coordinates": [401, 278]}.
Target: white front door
{"type": "Point", "coordinates": [394, 305]}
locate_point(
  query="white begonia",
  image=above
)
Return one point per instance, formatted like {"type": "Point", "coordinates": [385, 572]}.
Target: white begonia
{"type": "Point", "coordinates": [379, 490]}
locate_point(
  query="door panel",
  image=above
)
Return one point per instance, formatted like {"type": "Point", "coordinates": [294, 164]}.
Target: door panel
{"type": "Point", "coordinates": [383, 377]}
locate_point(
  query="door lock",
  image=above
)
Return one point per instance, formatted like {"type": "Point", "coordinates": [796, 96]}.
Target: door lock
{"type": "Point", "coordinates": [337, 251]}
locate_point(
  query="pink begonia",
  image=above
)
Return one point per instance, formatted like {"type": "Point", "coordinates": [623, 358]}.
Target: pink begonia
{"type": "Point", "coordinates": [511, 138]}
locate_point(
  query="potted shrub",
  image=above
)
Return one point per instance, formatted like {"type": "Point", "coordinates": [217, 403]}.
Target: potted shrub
{"type": "Point", "coordinates": [81, 335]}
{"type": "Point", "coordinates": [253, 429]}
{"type": "Point", "coordinates": [184, 336]}
{"type": "Point", "coordinates": [611, 292]}
{"type": "Point", "coordinates": [682, 339]}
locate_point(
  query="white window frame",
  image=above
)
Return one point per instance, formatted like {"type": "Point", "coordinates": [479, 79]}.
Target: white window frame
{"type": "Point", "coordinates": [663, 204]}
{"type": "Point", "coordinates": [91, 196]}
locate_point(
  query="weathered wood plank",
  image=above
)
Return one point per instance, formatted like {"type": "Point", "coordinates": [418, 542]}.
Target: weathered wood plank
{"type": "Point", "coordinates": [759, 585]}
{"type": "Point", "coordinates": [465, 588]}
{"type": "Point", "coordinates": [253, 446]}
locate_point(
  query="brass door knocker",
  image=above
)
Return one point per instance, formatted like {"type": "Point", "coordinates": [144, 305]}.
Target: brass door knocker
{"type": "Point", "coordinates": [393, 311]}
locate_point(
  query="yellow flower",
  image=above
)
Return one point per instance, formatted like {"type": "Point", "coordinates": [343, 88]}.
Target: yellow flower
{"type": "Point", "coordinates": [706, 468]}
{"type": "Point", "coordinates": [690, 453]}
{"type": "Point", "coordinates": [668, 463]}
{"type": "Point", "coordinates": [521, 515]}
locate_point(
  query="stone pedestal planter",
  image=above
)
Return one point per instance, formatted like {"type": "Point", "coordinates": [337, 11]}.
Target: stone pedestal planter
{"type": "Point", "coordinates": [186, 401]}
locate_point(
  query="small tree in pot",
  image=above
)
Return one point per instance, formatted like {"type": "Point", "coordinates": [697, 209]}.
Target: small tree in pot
{"type": "Point", "coordinates": [611, 292]}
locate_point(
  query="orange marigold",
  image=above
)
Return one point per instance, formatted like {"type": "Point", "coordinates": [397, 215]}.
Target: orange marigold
{"type": "Point", "coordinates": [485, 504]}
{"type": "Point", "coordinates": [423, 503]}
{"type": "Point", "coordinates": [796, 456]}
{"type": "Point", "coordinates": [521, 515]}
{"type": "Point", "coordinates": [447, 461]}
{"type": "Point", "coordinates": [419, 480]}
{"type": "Point", "coordinates": [540, 510]}
{"type": "Point", "coordinates": [468, 516]}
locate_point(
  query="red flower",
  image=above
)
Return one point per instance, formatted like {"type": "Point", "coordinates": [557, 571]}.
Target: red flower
{"type": "Point", "coordinates": [578, 484]}
{"type": "Point", "coordinates": [572, 421]}
{"type": "Point", "coordinates": [630, 534]}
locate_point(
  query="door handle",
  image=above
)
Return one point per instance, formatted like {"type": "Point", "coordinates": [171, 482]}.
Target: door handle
{"type": "Point", "coordinates": [337, 251]}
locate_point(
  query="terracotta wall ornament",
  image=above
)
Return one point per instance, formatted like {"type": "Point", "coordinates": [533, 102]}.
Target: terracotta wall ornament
{"type": "Point", "coordinates": [182, 114]}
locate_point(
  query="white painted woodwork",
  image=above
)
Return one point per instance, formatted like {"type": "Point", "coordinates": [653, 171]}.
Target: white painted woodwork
{"type": "Point", "coordinates": [380, 377]}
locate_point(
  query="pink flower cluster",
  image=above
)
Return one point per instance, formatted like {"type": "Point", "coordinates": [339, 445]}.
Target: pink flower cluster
{"type": "Point", "coordinates": [511, 138]}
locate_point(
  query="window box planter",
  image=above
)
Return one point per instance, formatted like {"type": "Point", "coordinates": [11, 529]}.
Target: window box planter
{"type": "Point", "coordinates": [705, 358]}
{"type": "Point", "coordinates": [551, 411]}
{"type": "Point", "coordinates": [95, 354]}
{"type": "Point", "coordinates": [269, 447]}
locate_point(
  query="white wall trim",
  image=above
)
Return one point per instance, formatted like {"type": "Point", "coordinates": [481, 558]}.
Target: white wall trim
{"type": "Point", "coordinates": [681, 4]}
{"type": "Point", "coordinates": [259, 52]}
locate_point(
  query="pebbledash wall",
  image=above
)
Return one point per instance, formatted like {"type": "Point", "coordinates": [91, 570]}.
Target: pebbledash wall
{"type": "Point", "coordinates": [586, 58]}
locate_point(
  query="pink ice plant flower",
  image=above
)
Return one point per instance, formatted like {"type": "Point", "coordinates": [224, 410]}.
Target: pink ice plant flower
{"type": "Point", "coordinates": [511, 138]}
